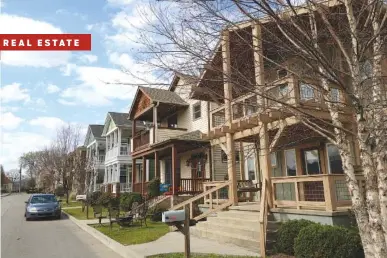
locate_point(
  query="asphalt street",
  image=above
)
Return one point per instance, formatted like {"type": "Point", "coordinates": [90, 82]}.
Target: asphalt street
{"type": "Point", "coordinates": [44, 238]}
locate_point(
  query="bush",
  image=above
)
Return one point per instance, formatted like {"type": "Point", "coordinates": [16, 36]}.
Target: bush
{"type": "Point", "coordinates": [59, 191]}
{"type": "Point", "coordinates": [156, 213]}
{"type": "Point", "coordinates": [287, 234]}
{"type": "Point", "coordinates": [127, 200]}
{"type": "Point", "coordinates": [323, 241]}
{"type": "Point", "coordinates": [73, 196]}
{"type": "Point", "coordinates": [154, 188]}
{"type": "Point", "coordinates": [107, 199]}
{"type": "Point", "coordinates": [92, 198]}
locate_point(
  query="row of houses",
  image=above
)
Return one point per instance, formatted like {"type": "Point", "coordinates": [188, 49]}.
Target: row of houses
{"type": "Point", "coordinates": [222, 146]}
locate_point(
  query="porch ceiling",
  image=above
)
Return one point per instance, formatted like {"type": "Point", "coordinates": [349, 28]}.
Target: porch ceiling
{"type": "Point", "coordinates": [163, 110]}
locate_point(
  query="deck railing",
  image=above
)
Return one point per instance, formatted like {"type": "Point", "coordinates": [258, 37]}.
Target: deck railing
{"type": "Point", "coordinates": [264, 207]}
{"type": "Point", "coordinates": [322, 192]}
{"type": "Point", "coordinates": [141, 141]}
{"type": "Point", "coordinates": [192, 185]}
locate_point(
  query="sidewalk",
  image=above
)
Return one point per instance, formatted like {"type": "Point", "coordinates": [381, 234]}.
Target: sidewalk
{"type": "Point", "coordinates": [172, 242]}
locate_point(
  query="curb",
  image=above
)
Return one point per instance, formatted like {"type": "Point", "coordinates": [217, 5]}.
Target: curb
{"type": "Point", "coordinates": [120, 249]}
{"type": "Point", "coordinates": [5, 195]}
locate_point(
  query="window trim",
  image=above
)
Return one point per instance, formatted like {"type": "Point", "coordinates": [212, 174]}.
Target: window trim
{"type": "Point", "coordinates": [286, 166]}
{"type": "Point", "coordinates": [197, 104]}
{"type": "Point", "coordinates": [313, 90]}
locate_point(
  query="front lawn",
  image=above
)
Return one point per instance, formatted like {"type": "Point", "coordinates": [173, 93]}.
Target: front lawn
{"type": "Point", "coordinates": [197, 255]}
{"type": "Point", "coordinates": [70, 204]}
{"type": "Point", "coordinates": [78, 214]}
{"type": "Point", "coordinates": [135, 234]}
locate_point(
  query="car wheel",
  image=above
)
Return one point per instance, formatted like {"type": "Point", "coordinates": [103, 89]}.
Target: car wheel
{"type": "Point", "coordinates": [28, 219]}
{"type": "Point", "coordinates": [58, 216]}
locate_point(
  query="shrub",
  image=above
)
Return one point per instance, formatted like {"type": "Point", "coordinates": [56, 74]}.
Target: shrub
{"type": "Point", "coordinates": [73, 196]}
{"type": "Point", "coordinates": [92, 198]}
{"type": "Point", "coordinates": [59, 191]}
{"type": "Point", "coordinates": [156, 213]}
{"type": "Point", "coordinates": [323, 241]}
{"type": "Point", "coordinates": [154, 188]}
{"type": "Point", "coordinates": [287, 234]}
{"type": "Point", "coordinates": [107, 199]}
{"type": "Point", "coordinates": [127, 200]}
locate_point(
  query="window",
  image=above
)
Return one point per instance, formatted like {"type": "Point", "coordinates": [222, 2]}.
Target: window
{"type": "Point", "coordinates": [283, 90]}
{"type": "Point", "coordinates": [282, 73]}
{"type": "Point", "coordinates": [334, 160]}
{"type": "Point", "coordinates": [197, 111]}
{"type": "Point", "coordinates": [172, 121]}
{"type": "Point", "coordinates": [250, 168]}
{"type": "Point", "coordinates": [123, 173]}
{"type": "Point", "coordinates": [273, 159]}
{"type": "Point", "coordinates": [335, 95]}
{"type": "Point", "coordinates": [306, 91]}
{"type": "Point", "coordinates": [312, 162]}
{"type": "Point", "coordinates": [366, 70]}
{"type": "Point", "coordinates": [290, 161]}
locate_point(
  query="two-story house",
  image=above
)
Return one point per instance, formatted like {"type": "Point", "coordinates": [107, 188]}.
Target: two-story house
{"type": "Point", "coordinates": [95, 155]}
{"type": "Point", "coordinates": [172, 140]}
{"type": "Point", "coordinates": [117, 132]}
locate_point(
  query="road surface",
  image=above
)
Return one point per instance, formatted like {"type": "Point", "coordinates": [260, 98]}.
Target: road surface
{"type": "Point", "coordinates": [44, 238]}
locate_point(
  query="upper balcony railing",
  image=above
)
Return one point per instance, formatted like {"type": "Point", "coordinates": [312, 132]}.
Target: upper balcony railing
{"type": "Point", "coordinates": [149, 137]}
{"type": "Point", "coordinates": [285, 92]}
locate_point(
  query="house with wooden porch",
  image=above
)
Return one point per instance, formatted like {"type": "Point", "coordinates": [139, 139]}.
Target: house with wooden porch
{"type": "Point", "coordinates": [172, 139]}
{"type": "Point", "coordinates": [301, 172]}
{"type": "Point", "coordinates": [117, 132]}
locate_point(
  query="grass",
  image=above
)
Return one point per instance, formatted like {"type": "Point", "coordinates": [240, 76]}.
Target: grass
{"type": "Point", "coordinates": [78, 214]}
{"type": "Point", "coordinates": [135, 234]}
{"type": "Point", "coordinates": [196, 255]}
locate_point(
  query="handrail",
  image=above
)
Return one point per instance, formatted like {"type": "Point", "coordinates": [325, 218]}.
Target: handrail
{"type": "Point", "coordinates": [202, 195]}
{"type": "Point", "coordinates": [263, 219]}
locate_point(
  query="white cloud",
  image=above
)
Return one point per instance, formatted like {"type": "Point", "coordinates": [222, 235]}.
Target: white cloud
{"type": "Point", "coordinates": [66, 103]}
{"type": "Point", "coordinates": [9, 121]}
{"type": "Point", "coordinates": [68, 69]}
{"type": "Point", "coordinates": [13, 92]}
{"type": "Point", "coordinates": [88, 59]}
{"type": "Point", "coordinates": [48, 122]}
{"type": "Point", "coordinates": [65, 12]}
{"type": "Point", "coordinates": [98, 86]}
{"type": "Point", "coordinates": [52, 88]}
{"type": "Point", "coordinates": [20, 25]}
{"type": "Point", "coordinates": [14, 144]}
{"type": "Point", "coordinates": [119, 2]}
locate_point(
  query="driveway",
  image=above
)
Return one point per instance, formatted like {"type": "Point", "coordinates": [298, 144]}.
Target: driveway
{"type": "Point", "coordinates": [44, 238]}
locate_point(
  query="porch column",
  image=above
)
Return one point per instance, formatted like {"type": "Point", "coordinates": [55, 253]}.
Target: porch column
{"type": "Point", "coordinates": [133, 133]}
{"type": "Point", "coordinates": [143, 174]}
{"type": "Point", "coordinates": [230, 143]}
{"type": "Point", "coordinates": [154, 124]}
{"type": "Point", "coordinates": [105, 177]}
{"type": "Point", "coordinates": [174, 168]}
{"type": "Point", "coordinates": [118, 175]}
{"type": "Point", "coordinates": [265, 164]}
{"type": "Point", "coordinates": [242, 161]}
{"type": "Point", "coordinates": [157, 165]}
{"type": "Point", "coordinates": [134, 172]}
{"type": "Point", "coordinates": [119, 134]}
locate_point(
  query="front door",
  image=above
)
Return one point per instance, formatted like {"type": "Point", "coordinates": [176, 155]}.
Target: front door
{"type": "Point", "coordinates": [168, 172]}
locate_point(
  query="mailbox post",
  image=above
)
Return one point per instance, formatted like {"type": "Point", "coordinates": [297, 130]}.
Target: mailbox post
{"type": "Point", "coordinates": [177, 218]}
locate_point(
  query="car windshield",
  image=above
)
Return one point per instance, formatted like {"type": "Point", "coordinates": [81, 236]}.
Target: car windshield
{"type": "Point", "coordinates": [43, 199]}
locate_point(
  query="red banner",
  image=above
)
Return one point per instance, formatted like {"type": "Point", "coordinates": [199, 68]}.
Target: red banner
{"type": "Point", "coordinates": [45, 42]}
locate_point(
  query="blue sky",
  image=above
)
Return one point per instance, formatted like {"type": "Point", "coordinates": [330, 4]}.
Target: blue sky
{"type": "Point", "coordinates": [42, 90]}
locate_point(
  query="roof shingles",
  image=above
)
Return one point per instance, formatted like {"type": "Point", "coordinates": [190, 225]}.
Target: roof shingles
{"type": "Point", "coordinates": [96, 130]}
{"type": "Point", "coordinates": [163, 96]}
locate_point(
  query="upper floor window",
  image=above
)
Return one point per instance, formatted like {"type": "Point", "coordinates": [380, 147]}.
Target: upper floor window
{"type": "Point", "coordinates": [224, 156]}
{"type": "Point", "coordinates": [335, 95]}
{"type": "Point", "coordinates": [306, 91]}
{"type": "Point", "coordinates": [197, 111]}
{"type": "Point", "coordinates": [366, 69]}
{"type": "Point", "coordinates": [312, 162]}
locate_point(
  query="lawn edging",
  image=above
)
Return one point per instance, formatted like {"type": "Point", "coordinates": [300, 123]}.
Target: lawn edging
{"type": "Point", "coordinates": [120, 249]}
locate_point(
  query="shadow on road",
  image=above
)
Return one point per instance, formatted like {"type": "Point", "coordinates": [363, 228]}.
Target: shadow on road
{"type": "Point", "coordinates": [63, 217]}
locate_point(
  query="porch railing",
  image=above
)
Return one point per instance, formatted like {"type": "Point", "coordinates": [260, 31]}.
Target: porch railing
{"type": "Point", "coordinates": [125, 187]}
{"type": "Point", "coordinates": [211, 189]}
{"type": "Point", "coordinates": [141, 141]}
{"type": "Point", "coordinates": [141, 188]}
{"type": "Point", "coordinates": [321, 192]}
{"type": "Point", "coordinates": [192, 185]}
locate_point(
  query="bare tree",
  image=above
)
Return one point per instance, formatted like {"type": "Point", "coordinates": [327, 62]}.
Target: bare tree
{"type": "Point", "coordinates": [338, 47]}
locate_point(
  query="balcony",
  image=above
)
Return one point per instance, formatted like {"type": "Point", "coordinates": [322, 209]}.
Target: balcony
{"type": "Point", "coordinates": [122, 151]}
{"type": "Point", "coordinates": [147, 138]}
{"type": "Point", "coordinates": [284, 92]}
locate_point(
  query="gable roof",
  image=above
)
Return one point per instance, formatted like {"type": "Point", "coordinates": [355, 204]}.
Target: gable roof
{"type": "Point", "coordinates": [163, 96]}
{"type": "Point", "coordinates": [96, 130]}
{"type": "Point", "coordinates": [120, 119]}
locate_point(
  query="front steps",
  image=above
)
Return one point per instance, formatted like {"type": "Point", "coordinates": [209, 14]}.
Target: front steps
{"type": "Point", "coordinates": [238, 227]}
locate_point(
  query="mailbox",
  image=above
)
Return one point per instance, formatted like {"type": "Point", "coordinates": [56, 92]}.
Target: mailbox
{"type": "Point", "coordinates": [173, 216]}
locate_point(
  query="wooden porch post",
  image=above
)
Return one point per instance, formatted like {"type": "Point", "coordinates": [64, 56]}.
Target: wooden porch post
{"type": "Point", "coordinates": [157, 165]}
{"type": "Point", "coordinates": [134, 172]}
{"type": "Point", "coordinates": [174, 168]}
{"type": "Point", "coordinates": [230, 143]}
{"type": "Point", "coordinates": [263, 136]}
{"type": "Point", "coordinates": [143, 174]}
{"type": "Point", "coordinates": [242, 161]}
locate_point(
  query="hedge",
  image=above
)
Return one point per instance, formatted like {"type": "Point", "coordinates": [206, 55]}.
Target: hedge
{"type": "Point", "coordinates": [127, 200]}
{"type": "Point", "coordinates": [323, 241]}
{"type": "Point", "coordinates": [287, 233]}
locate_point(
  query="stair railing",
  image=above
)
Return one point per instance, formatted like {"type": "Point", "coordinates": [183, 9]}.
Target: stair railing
{"type": "Point", "coordinates": [208, 197]}
{"type": "Point", "coordinates": [263, 218]}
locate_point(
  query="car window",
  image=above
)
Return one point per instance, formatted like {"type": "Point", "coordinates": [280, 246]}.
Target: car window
{"type": "Point", "coordinates": [43, 199]}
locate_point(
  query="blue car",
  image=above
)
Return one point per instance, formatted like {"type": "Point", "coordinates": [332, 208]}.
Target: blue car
{"type": "Point", "coordinates": [41, 206]}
